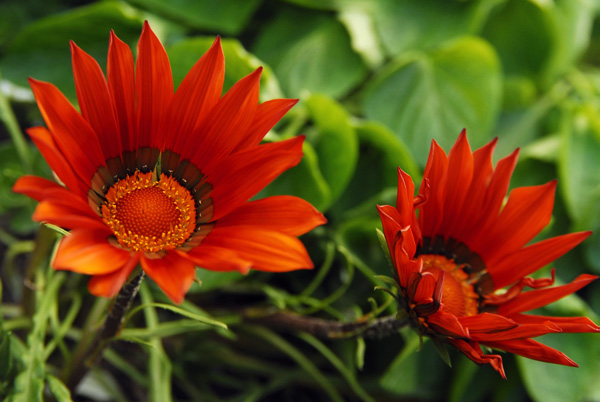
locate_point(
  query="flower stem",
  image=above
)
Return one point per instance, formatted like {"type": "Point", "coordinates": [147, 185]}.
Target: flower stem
{"type": "Point", "coordinates": [375, 328]}
{"type": "Point", "coordinates": [111, 327]}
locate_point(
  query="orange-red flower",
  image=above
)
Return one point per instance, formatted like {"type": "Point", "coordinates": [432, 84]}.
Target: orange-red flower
{"type": "Point", "coordinates": [466, 244]}
{"type": "Point", "coordinates": [163, 178]}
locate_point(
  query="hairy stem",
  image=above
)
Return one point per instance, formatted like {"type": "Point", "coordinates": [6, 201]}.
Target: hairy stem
{"type": "Point", "coordinates": [110, 328]}
{"type": "Point", "coordinates": [375, 328]}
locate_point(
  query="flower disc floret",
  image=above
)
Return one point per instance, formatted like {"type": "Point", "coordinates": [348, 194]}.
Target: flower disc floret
{"type": "Point", "coordinates": [148, 215]}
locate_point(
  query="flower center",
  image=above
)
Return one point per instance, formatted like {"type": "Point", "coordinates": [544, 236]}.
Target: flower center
{"type": "Point", "coordinates": [458, 296]}
{"type": "Point", "coordinates": [149, 215]}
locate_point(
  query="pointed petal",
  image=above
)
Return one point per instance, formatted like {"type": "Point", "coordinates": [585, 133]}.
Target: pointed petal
{"type": "Point", "coordinates": [286, 214]}
{"type": "Point", "coordinates": [108, 285]}
{"type": "Point", "coordinates": [243, 174]}
{"type": "Point", "coordinates": [566, 324]}
{"type": "Point", "coordinates": [431, 214]}
{"type": "Point", "coordinates": [527, 211]}
{"type": "Point", "coordinates": [391, 222]}
{"type": "Point", "coordinates": [458, 180]}
{"type": "Point", "coordinates": [520, 332]}
{"type": "Point", "coordinates": [510, 268]}
{"type": "Point", "coordinates": [72, 134]}
{"type": "Point", "coordinates": [533, 350]}
{"type": "Point", "coordinates": [88, 252]}
{"type": "Point", "coordinates": [267, 115]}
{"type": "Point", "coordinates": [487, 322]}
{"type": "Point", "coordinates": [35, 187]}
{"type": "Point", "coordinates": [473, 352]}
{"type": "Point", "coordinates": [68, 214]}
{"type": "Point", "coordinates": [121, 83]}
{"type": "Point", "coordinates": [43, 140]}
{"type": "Point", "coordinates": [447, 324]}
{"type": "Point", "coordinates": [172, 273]}
{"type": "Point", "coordinates": [154, 89]}
{"type": "Point", "coordinates": [267, 250]}
{"type": "Point", "coordinates": [533, 299]}
{"type": "Point", "coordinates": [198, 93]}
{"type": "Point", "coordinates": [219, 259]}
{"type": "Point", "coordinates": [95, 101]}
{"type": "Point", "coordinates": [228, 123]}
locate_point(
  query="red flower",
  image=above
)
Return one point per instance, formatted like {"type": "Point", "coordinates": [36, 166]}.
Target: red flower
{"type": "Point", "coordinates": [466, 244]}
{"type": "Point", "coordinates": [161, 178]}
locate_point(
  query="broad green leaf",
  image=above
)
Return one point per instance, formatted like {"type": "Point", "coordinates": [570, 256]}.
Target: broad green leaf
{"type": "Point", "coordinates": [223, 16]}
{"type": "Point", "coordinates": [381, 154]}
{"type": "Point", "coordinates": [335, 142]}
{"type": "Point", "coordinates": [238, 63]}
{"type": "Point", "coordinates": [435, 95]}
{"type": "Point", "coordinates": [575, 384]}
{"type": "Point", "coordinates": [304, 180]}
{"type": "Point", "coordinates": [407, 25]}
{"type": "Point", "coordinates": [41, 49]}
{"type": "Point", "coordinates": [310, 52]}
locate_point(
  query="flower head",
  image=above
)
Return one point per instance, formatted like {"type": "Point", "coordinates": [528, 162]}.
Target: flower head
{"type": "Point", "coordinates": [463, 260]}
{"type": "Point", "coordinates": [162, 177]}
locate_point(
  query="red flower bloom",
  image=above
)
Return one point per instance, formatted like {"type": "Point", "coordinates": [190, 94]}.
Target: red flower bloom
{"type": "Point", "coordinates": [161, 178]}
{"type": "Point", "coordinates": [465, 244]}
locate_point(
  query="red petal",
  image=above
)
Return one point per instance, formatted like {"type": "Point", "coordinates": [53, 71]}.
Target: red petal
{"type": "Point", "coordinates": [68, 214]}
{"type": "Point", "coordinates": [219, 259]}
{"type": "Point", "coordinates": [88, 252]}
{"type": "Point", "coordinates": [533, 299]}
{"type": "Point", "coordinates": [512, 267]}
{"type": "Point", "coordinates": [227, 125]}
{"type": "Point", "coordinates": [108, 285]}
{"type": "Point", "coordinates": [473, 352]}
{"type": "Point", "coordinates": [458, 180]}
{"type": "Point", "coordinates": [154, 89]}
{"type": "Point", "coordinates": [173, 273]}
{"type": "Point", "coordinates": [431, 214]}
{"type": "Point", "coordinates": [95, 101]}
{"type": "Point", "coordinates": [527, 211]}
{"type": "Point", "coordinates": [391, 222]}
{"type": "Point", "coordinates": [286, 214]}
{"type": "Point", "coordinates": [72, 134]}
{"type": "Point", "coordinates": [267, 115]}
{"type": "Point", "coordinates": [487, 322]}
{"type": "Point", "coordinates": [121, 82]}
{"type": "Point", "coordinates": [35, 187]}
{"type": "Point", "coordinates": [267, 250]}
{"type": "Point", "coordinates": [447, 324]}
{"type": "Point", "coordinates": [533, 350]}
{"type": "Point", "coordinates": [519, 332]}
{"type": "Point", "coordinates": [195, 98]}
{"type": "Point", "coordinates": [45, 143]}
{"type": "Point", "coordinates": [243, 174]}
{"type": "Point", "coordinates": [566, 324]}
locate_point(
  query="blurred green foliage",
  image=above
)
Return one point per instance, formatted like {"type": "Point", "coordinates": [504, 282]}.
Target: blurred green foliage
{"type": "Point", "coordinates": [377, 81]}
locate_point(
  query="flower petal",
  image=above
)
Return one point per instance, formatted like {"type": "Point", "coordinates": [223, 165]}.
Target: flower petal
{"type": "Point", "coordinates": [88, 252]}
{"type": "Point", "coordinates": [219, 259]}
{"type": "Point", "coordinates": [286, 214]}
{"type": "Point", "coordinates": [267, 250]}
{"type": "Point", "coordinates": [108, 285]}
{"type": "Point", "coordinates": [533, 299]}
{"type": "Point", "coordinates": [173, 273]}
{"type": "Point", "coordinates": [533, 350]}
{"type": "Point", "coordinates": [472, 351]}
{"type": "Point", "coordinates": [566, 324]}
{"type": "Point", "coordinates": [486, 322]}
{"type": "Point", "coordinates": [95, 101]}
{"type": "Point", "coordinates": [431, 214]}
{"type": "Point", "coordinates": [68, 213]}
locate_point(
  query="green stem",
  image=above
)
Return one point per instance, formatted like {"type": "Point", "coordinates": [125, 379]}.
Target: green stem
{"type": "Point", "coordinates": [111, 327]}
{"type": "Point", "coordinates": [12, 126]}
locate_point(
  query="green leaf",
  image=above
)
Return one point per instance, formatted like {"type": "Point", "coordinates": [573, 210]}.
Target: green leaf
{"type": "Point", "coordinates": [182, 312]}
{"type": "Point", "coordinates": [41, 49]}
{"type": "Point", "coordinates": [238, 63]}
{"type": "Point", "coordinates": [304, 180]}
{"type": "Point", "coordinates": [540, 379]}
{"type": "Point", "coordinates": [435, 95]}
{"type": "Point", "coordinates": [310, 52]}
{"type": "Point", "coordinates": [60, 392]}
{"type": "Point", "coordinates": [226, 16]}
{"type": "Point", "coordinates": [335, 142]}
{"type": "Point", "coordinates": [407, 25]}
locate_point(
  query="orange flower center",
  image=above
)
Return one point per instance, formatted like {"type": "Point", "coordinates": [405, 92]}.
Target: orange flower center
{"type": "Point", "coordinates": [149, 215]}
{"type": "Point", "coordinates": [458, 296]}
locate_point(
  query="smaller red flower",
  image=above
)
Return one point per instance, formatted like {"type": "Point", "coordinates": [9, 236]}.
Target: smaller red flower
{"type": "Point", "coordinates": [463, 260]}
